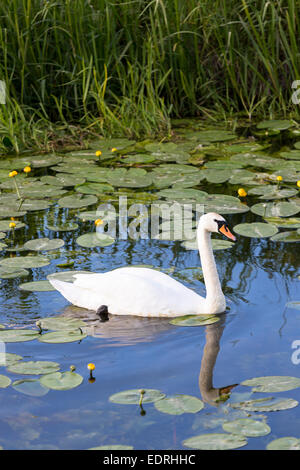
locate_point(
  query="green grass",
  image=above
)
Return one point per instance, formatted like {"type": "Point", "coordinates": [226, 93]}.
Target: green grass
{"type": "Point", "coordinates": [74, 67]}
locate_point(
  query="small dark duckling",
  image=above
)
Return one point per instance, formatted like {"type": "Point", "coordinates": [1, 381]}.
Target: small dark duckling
{"type": "Point", "coordinates": [103, 313]}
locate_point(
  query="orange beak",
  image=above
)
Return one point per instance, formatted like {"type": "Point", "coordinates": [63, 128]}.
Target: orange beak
{"type": "Point", "coordinates": [225, 231]}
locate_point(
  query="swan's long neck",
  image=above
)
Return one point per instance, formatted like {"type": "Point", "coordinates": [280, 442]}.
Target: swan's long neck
{"type": "Point", "coordinates": [214, 296]}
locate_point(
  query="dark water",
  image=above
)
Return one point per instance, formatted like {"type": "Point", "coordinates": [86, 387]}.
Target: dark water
{"type": "Point", "coordinates": [254, 338]}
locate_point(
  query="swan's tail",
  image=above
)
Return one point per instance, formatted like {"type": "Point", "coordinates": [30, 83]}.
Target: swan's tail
{"type": "Point", "coordinates": [79, 296]}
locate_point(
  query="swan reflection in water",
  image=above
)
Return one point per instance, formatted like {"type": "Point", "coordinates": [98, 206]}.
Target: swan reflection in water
{"type": "Point", "coordinates": [129, 330]}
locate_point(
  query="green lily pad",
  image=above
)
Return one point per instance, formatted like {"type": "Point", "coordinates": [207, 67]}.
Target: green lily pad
{"type": "Point", "coordinates": [255, 230]}
{"type": "Point", "coordinates": [291, 236]}
{"type": "Point", "coordinates": [275, 209]}
{"type": "Point", "coordinates": [272, 192]}
{"type": "Point", "coordinates": [63, 180]}
{"type": "Point", "coordinates": [67, 227]}
{"type": "Point", "coordinates": [266, 404]}
{"type": "Point", "coordinates": [132, 178]}
{"type": "Point", "coordinates": [44, 244]}
{"type": "Point", "coordinates": [179, 404]}
{"type": "Point", "coordinates": [212, 135]}
{"type": "Point", "coordinates": [224, 204]}
{"type": "Point", "coordinates": [77, 200]}
{"type": "Point", "coordinates": [37, 286]}
{"type": "Point", "coordinates": [4, 225]}
{"type": "Point", "coordinates": [291, 222]}
{"type": "Point", "coordinates": [132, 397]}
{"type": "Point", "coordinates": [4, 381]}
{"type": "Point", "coordinates": [25, 262]}
{"type": "Point", "coordinates": [34, 205]}
{"type": "Point", "coordinates": [67, 276]}
{"type": "Point", "coordinates": [61, 323]}
{"type": "Point", "coordinates": [9, 358]}
{"type": "Point", "coordinates": [31, 387]}
{"type": "Point", "coordinates": [33, 367]}
{"type": "Point", "coordinates": [18, 335]}
{"type": "Point", "coordinates": [185, 193]}
{"type": "Point", "coordinates": [217, 244]}
{"type": "Point", "coordinates": [61, 380]}
{"type": "Point", "coordinates": [62, 336]}
{"type": "Point", "coordinates": [284, 443]}
{"type": "Point", "coordinates": [12, 273]}
{"type": "Point", "coordinates": [93, 239]}
{"type": "Point", "coordinates": [215, 441]}
{"type": "Point", "coordinates": [94, 188]}
{"type": "Point", "coordinates": [272, 384]}
{"type": "Point", "coordinates": [194, 320]}
{"type": "Point", "coordinates": [275, 124]}
{"type": "Point", "coordinates": [247, 427]}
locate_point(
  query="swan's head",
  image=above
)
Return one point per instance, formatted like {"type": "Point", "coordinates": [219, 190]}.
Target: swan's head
{"type": "Point", "coordinates": [213, 222]}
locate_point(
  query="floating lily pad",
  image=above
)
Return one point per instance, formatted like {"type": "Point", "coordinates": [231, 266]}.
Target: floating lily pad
{"type": "Point", "coordinates": [275, 124]}
{"type": "Point", "coordinates": [266, 404]}
{"type": "Point", "coordinates": [18, 335]}
{"type": "Point", "coordinates": [132, 178]}
{"type": "Point", "coordinates": [33, 367]}
{"type": "Point", "coordinates": [291, 222]}
{"type": "Point", "coordinates": [284, 443]}
{"type": "Point", "coordinates": [31, 387]}
{"type": "Point", "coordinates": [44, 244]}
{"type": "Point", "coordinates": [12, 273]}
{"type": "Point", "coordinates": [272, 384]}
{"type": "Point", "coordinates": [272, 192]}
{"type": "Point", "coordinates": [291, 236]}
{"type": "Point", "coordinates": [212, 135]}
{"type": "Point", "coordinates": [194, 320]}
{"type": "Point", "coordinates": [37, 286]}
{"type": "Point", "coordinates": [34, 205]}
{"type": "Point", "coordinates": [255, 230]}
{"type": "Point", "coordinates": [25, 262]}
{"type": "Point", "coordinates": [215, 441]}
{"type": "Point", "coordinates": [217, 244]}
{"type": "Point", "coordinates": [179, 404]}
{"type": "Point", "coordinates": [61, 380]}
{"type": "Point", "coordinates": [61, 323]}
{"type": "Point", "coordinates": [63, 180]}
{"type": "Point", "coordinates": [77, 200]}
{"type": "Point", "coordinates": [4, 225]}
{"type": "Point", "coordinates": [67, 276]}
{"type": "Point", "coordinates": [67, 227]}
{"type": "Point", "coordinates": [275, 209]}
{"type": "Point", "coordinates": [224, 204]}
{"type": "Point", "coordinates": [9, 358]}
{"type": "Point", "coordinates": [4, 381]}
{"type": "Point", "coordinates": [94, 188]}
{"type": "Point", "coordinates": [93, 239]}
{"type": "Point", "coordinates": [62, 336]}
{"type": "Point", "coordinates": [247, 427]}
{"type": "Point", "coordinates": [132, 397]}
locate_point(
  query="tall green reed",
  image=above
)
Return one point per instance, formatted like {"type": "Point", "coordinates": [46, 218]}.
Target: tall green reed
{"type": "Point", "coordinates": [127, 67]}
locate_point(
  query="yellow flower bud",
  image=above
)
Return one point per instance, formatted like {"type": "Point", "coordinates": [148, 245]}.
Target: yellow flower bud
{"type": "Point", "coordinates": [98, 153]}
{"type": "Point", "coordinates": [114, 149]}
{"type": "Point", "coordinates": [242, 192]}
{"type": "Point", "coordinates": [12, 174]}
{"type": "Point", "coordinates": [91, 366]}
{"type": "Point", "coordinates": [27, 169]}
{"type": "Point", "coordinates": [298, 184]}
{"type": "Point", "coordinates": [279, 178]}
{"type": "Point", "coordinates": [98, 222]}
{"type": "Point", "coordinates": [12, 225]}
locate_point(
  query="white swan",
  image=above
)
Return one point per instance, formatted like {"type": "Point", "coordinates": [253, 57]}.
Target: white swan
{"type": "Point", "coordinates": [150, 293]}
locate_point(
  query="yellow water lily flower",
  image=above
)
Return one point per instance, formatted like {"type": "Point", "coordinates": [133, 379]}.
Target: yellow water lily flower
{"type": "Point", "coordinates": [298, 184]}
{"type": "Point", "coordinates": [242, 192]}
{"type": "Point", "coordinates": [12, 225]}
{"type": "Point", "coordinates": [27, 169]}
{"type": "Point", "coordinates": [98, 153]}
{"type": "Point", "coordinates": [279, 178]}
{"type": "Point", "coordinates": [12, 173]}
{"type": "Point", "coordinates": [91, 366]}
{"type": "Point", "coordinates": [98, 222]}
{"type": "Point", "coordinates": [114, 149]}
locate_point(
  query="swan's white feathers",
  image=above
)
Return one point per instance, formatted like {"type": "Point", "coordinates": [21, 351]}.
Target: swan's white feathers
{"type": "Point", "coordinates": [131, 291]}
